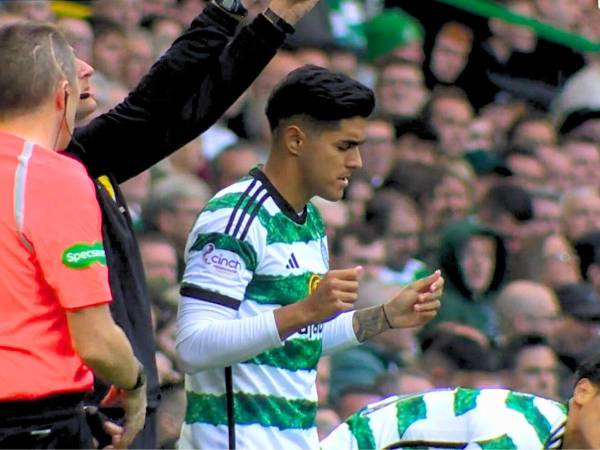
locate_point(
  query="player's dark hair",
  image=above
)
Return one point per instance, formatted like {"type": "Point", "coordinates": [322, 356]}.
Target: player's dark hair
{"type": "Point", "coordinates": [321, 96]}
{"type": "Point", "coordinates": [589, 369]}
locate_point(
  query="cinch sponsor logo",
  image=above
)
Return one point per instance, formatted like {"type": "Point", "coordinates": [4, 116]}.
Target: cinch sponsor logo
{"type": "Point", "coordinates": [214, 258]}
{"type": "Point", "coordinates": [82, 255]}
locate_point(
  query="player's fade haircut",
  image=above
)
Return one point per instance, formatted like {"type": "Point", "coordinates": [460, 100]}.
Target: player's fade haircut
{"type": "Point", "coordinates": [34, 57]}
{"type": "Point", "coordinates": [319, 96]}
{"type": "Point", "coordinates": [589, 369]}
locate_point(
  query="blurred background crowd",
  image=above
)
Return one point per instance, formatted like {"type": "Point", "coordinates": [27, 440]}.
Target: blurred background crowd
{"type": "Point", "coordinates": [482, 159]}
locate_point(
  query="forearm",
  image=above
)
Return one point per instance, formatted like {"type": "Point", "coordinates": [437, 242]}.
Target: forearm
{"type": "Point", "coordinates": [210, 336]}
{"type": "Point", "coordinates": [338, 334]}
{"type": "Point", "coordinates": [111, 358]}
{"type": "Point", "coordinates": [292, 318]}
{"type": "Point", "coordinates": [370, 322]}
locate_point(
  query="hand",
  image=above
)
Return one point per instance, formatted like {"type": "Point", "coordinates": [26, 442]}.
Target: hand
{"type": "Point", "coordinates": [166, 373]}
{"type": "Point", "coordinates": [292, 10]}
{"type": "Point", "coordinates": [336, 293]}
{"type": "Point", "coordinates": [134, 403]}
{"type": "Point", "coordinates": [104, 432]}
{"type": "Point", "coordinates": [114, 431]}
{"type": "Point", "coordinates": [417, 303]}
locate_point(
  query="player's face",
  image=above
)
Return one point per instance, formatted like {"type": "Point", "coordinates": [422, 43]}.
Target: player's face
{"type": "Point", "coordinates": [87, 102]}
{"type": "Point", "coordinates": [331, 156]}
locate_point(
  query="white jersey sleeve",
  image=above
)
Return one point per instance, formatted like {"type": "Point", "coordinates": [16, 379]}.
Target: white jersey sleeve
{"type": "Point", "coordinates": [221, 258]}
{"type": "Point", "coordinates": [210, 335]}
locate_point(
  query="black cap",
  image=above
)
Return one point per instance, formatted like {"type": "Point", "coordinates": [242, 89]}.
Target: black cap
{"type": "Point", "coordinates": [579, 300]}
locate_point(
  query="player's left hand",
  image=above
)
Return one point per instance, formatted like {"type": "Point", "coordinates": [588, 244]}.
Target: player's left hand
{"type": "Point", "coordinates": [417, 303]}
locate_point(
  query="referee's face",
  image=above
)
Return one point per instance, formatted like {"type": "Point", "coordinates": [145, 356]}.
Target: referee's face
{"type": "Point", "coordinates": [331, 156]}
{"type": "Point", "coordinates": [87, 101]}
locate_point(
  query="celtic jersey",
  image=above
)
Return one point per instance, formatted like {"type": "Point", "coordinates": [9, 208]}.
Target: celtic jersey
{"type": "Point", "coordinates": [458, 418]}
{"type": "Point", "coordinates": [251, 252]}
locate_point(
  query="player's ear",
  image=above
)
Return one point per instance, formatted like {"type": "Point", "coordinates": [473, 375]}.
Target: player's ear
{"type": "Point", "coordinates": [294, 139]}
{"type": "Point", "coordinates": [584, 391]}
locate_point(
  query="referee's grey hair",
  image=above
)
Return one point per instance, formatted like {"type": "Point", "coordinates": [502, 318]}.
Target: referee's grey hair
{"type": "Point", "coordinates": [34, 57]}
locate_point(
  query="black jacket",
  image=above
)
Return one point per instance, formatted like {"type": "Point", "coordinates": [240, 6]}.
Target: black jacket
{"type": "Point", "coordinates": [184, 93]}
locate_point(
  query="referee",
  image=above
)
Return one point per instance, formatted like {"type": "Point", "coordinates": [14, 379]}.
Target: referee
{"type": "Point", "coordinates": [56, 326]}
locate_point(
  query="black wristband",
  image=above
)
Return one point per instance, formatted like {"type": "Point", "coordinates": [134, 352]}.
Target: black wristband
{"type": "Point", "coordinates": [278, 21]}
{"type": "Point", "coordinates": [140, 380]}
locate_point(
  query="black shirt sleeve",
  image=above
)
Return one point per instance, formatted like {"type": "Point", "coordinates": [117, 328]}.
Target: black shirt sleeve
{"type": "Point", "coordinates": [184, 93]}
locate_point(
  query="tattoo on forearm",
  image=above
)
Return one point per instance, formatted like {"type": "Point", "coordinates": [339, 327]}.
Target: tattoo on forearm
{"type": "Point", "coordinates": [369, 322]}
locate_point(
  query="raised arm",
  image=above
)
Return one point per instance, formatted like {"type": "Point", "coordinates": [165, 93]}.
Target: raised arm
{"type": "Point", "coordinates": [139, 124]}
{"type": "Point", "coordinates": [186, 92]}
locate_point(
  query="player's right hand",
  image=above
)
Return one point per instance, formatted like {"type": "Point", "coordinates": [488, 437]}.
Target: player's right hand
{"type": "Point", "coordinates": [337, 292]}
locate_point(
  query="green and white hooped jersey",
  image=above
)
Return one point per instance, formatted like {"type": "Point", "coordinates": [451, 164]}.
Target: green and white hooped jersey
{"type": "Point", "coordinates": [251, 252]}
{"type": "Point", "coordinates": [454, 419]}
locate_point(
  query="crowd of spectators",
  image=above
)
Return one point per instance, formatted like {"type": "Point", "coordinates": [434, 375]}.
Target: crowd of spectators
{"type": "Point", "coordinates": [482, 159]}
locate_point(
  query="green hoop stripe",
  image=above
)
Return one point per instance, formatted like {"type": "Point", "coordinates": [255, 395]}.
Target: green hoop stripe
{"type": "Point", "coordinates": [264, 410]}
{"type": "Point", "coordinates": [296, 354]}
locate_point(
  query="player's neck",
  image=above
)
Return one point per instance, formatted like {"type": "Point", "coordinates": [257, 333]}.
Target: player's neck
{"type": "Point", "coordinates": [571, 441]}
{"type": "Point", "coordinates": [287, 182]}
{"type": "Point", "coordinates": [572, 438]}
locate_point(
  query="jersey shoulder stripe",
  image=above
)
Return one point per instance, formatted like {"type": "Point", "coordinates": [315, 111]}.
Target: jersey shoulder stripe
{"type": "Point", "coordinates": [278, 225]}
{"type": "Point", "coordinates": [254, 214]}
{"type": "Point", "coordinates": [243, 204]}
